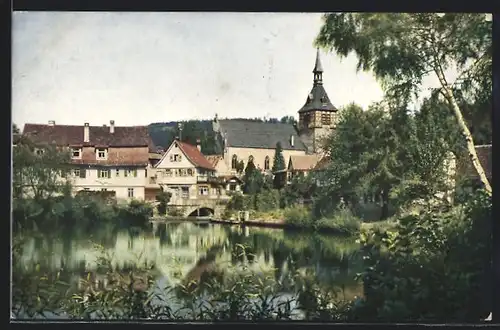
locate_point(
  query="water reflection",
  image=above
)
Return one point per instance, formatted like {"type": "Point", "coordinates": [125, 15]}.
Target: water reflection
{"type": "Point", "coordinates": [200, 251]}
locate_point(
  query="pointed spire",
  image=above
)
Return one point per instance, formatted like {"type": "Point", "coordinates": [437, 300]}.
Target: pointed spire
{"type": "Point", "coordinates": [318, 67]}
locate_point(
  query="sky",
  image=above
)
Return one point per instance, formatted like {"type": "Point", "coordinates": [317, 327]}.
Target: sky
{"type": "Point", "coordinates": [141, 68]}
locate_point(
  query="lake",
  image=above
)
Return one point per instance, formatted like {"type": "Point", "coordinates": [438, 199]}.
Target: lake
{"type": "Point", "coordinates": [189, 251]}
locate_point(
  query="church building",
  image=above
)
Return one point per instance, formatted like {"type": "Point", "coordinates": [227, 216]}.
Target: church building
{"type": "Point", "coordinates": [243, 140]}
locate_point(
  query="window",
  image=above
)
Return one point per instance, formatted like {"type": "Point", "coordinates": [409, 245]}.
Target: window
{"type": "Point", "coordinates": [183, 172]}
{"type": "Point", "coordinates": [39, 152]}
{"type": "Point", "coordinates": [117, 173]}
{"type": "Point", "coordinates": [185, 192]}
{"type": "Point", "coordinates": [104, 189]}
{"type": "Point", "coordinates": [190, 172]}
{"type": "Point", "coordinates": [102, 153]}
{"type": "Point", "coordinates": [168, 172]}
{"type": "Point", "coordinates": [83, 173]}
{"type": "Point", "coordinates": [146, 173]}
{"type": "Point", "coordinates": [326, 119]}
{"type": "Point", "coordinates": [175, 158]}
{"type": "Point", "coordinates": [203, 190]}
{"type": "Point", "coordinates": [76, 153]}
{"type": "Point", "coordinates": [130, 192]}
{"type": "Point", "coordinates": [86, 189]}
{"type": "Point", "coordinates": [234, 162]}
{"type": "Point", "coordinates": [76, 172]}
{"type": "Point", "coordinates": [131, 172]}
{"type": "Point", "coordinates": [266, 163]}
{"type": "Point", "coordinates": [104, 174]}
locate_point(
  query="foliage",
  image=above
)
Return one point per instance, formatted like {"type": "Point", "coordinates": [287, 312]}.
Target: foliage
{"type": "Point", "coordinates": [298, 217]}
{"type": "Point", "coordinates": [240, 166]}
{"type": "Point", "coordinates": [163, 198]}
{"type": "Point", "coordinates": [175, 212]}
{"type": "Point", "coordinates": [137, 213]}
{"type": "Point", "coordinates": [343, 222]}
{"type": "Point", "coordinates": [39, 175]}
{"type": "Point", "coordinates": [253, 179]}
{"type": "Point", "coordinates": [300, 188]}
{"type": "Point", "coordinates": [278, 167]}
{"type": "Point", "coordinates": [434, 267]}
{"type": "Point", "coordinates": [267, 200]}
{"type": "Point", "coordinates": [403, 49]}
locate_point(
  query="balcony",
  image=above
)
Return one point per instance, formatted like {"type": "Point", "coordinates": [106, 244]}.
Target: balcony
{"type": "Point", "coordinates": [208, 179]}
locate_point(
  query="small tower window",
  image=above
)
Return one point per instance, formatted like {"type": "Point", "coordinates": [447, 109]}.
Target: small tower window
{"type": "Point", "coordinates": [326, 119]}
{"type": "Point", "coordinates": [266, 163]}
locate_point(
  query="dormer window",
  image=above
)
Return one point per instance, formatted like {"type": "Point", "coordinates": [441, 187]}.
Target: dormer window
{"type": "Point", "coordinates": [102, 153]}
{"type": "Point", "coordinates": [76, 153]}
{"type": "Point", "coordinates": [39, 152]}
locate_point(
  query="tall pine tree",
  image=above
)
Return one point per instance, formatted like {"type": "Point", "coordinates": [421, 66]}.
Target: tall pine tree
{"type": "Point", "coordinates": [279, 167]}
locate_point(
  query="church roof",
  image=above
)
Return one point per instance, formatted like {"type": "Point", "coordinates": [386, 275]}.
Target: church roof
{"type": "Point", "coordinates": [250, 134]}
{"type": "Point", "coordinates": [318, 100]}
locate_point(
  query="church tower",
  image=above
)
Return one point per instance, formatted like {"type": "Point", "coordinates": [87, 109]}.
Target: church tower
{"type": "Point", "coordinates": [318, 116]}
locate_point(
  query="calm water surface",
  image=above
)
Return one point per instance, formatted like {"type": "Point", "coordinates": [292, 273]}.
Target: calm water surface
{"type": "Point", "coordinates": [185, 251]}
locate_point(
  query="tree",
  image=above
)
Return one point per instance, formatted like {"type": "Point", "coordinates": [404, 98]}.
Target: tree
{"type": "Point", "coordinates": [39, 172]}
{"type": "Point", "coordinates": [279, 167]}
{"type": "Point", "coordinates": [288, 120]}
{"type": "Point", "coordinates": [163, 198]}
{"type": "Point", "coordinates": [402, 49]}
{"type": "Point", "coordinates": [240, 166]}
{"type": "Point", "coordinates": [253, 179]}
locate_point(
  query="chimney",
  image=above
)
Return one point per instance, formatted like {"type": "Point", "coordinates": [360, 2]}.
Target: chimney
{"type": "Point", "coordinates": [52, 122]}
{"type": "Point", "coordinates": [292, 140]}
{"type": "Point", "coordinates": [86, 133]}
{"type": "Point", "coordinates": [111, 126]}
{"type": "Point", "coordinates": [198, 144]}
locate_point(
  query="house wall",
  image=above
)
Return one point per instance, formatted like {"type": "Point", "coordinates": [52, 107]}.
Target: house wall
{"type": "Point", "coordinates": [222, 167]}
{"type": "Point", "coordinates": [118, 183]}
{"type": "Point", "coordinates": [259, 156]}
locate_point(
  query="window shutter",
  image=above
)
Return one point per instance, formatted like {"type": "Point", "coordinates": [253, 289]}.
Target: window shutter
{"type": "Point", "coordinates": [83, 173]}
{"type": "Point", "coordinates": [135, 173]}
{"type": "Point", "coordinates": [109, 173]}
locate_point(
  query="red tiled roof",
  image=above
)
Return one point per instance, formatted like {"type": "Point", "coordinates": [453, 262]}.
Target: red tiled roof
{"type": "Point", "coordinates": [195, 156]}
{"type": "Point", "coordinates": [72, 135]}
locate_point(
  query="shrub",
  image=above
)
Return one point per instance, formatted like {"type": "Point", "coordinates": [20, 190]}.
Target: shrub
{"type": "Point", "coordinates": [163, 198]}
{"type": "Point", "coordinates": [343, 222]}
{"type": "Point", "coordinates": [267, 200]}
{"type": "Point", "coordinates": [298, 217]}
{"type": "Point", "coordinates": [175, 212]}
{"type": "Point", "coordinates": [434, 266]}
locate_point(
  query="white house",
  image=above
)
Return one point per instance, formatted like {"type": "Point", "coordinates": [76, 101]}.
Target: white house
{"type": "Point", "coordinates": [104, 158]}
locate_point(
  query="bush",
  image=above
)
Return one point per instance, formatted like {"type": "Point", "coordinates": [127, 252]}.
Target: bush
{"type": "Point", "coordinates": [343, 222]}
{"type": "Point", "coordinates": [175, 212]}
{"type": "Point", "coordinates": [163, 198]}
{"type": "Point", "coordinates": [298, 217]}
{"type": "Point", "coordinates": [137, 213]}
{"type": "Point", "coordinates": [433, 267]}
{"type": "Point", "coordinates": [267, 200]}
